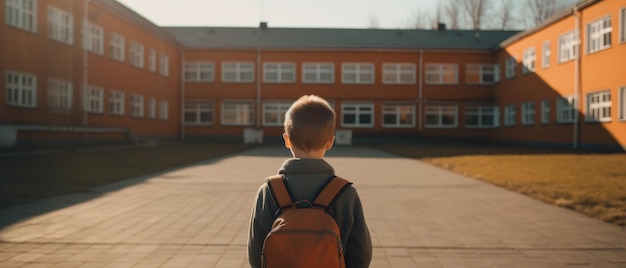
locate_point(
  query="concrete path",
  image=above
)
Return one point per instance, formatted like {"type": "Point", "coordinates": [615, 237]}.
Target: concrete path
{"type": "Point", "coordinates": [197, 216]}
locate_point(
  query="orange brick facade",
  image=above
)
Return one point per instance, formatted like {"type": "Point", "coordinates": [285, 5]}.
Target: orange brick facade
{"type": "Point", "coordinates": [213, 91]}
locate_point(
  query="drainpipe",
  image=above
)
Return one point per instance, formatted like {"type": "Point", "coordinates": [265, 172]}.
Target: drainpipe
{"type": "Point", "coordinates": [182, 93]}
{"type": "Point", "coordinates": [85, 63]}
{"type": "Point", "coordinates": [420, 85]}
{"type": "Point", "coordinates": [577, 88]}
{"type": "Point", "coordinates": [258, 88]}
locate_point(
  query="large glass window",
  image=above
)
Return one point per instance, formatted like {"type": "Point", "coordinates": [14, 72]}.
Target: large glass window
{"type": "Point", "coordinates": [510, 115]}
{"type": "Point", "coordinates": [274, 113]}
{"type": "Point", "coordinates": [441, 116]}
{"type": "Point", "coordinates": [116, 102]}
{"type": "Point", "coordinates": [357, 73]}
{"type": "Point", "coordinates": [202, 71]}
{"type": "Point", "coordinates": [481, 116]}
{"type": "Point", "coordinates": [545, 62]}
{"type": "Point", "coordinates": [136, 106]}
{"type": "Point", "coordinates": [117, 47]}
{"type": "Point", "coordinates": [60, 25]}
{"type": "Point", "coordinates": [599, 34]}
{"type": "Point", "coordinates": [529, 60]}
{"type": "Point", "coordinates": [528, 113]}
{"type": "Point", "coordinates": [599, 106]}
{"type": "Point", "coordinates": [318, 73]}
{"type": "Point", "coordinates": [279, 72]}
{"type": "Point", "coordinates": [398, 115]}
{"type": "Point", "coordinates": [357, 114]}
{"type": "Point", "coordinates": [399, 73]}
{"type": "Point", "coordinates": [93, 38]}
{"type": "Point", "coordinates": [567, 111]}
{"type": "Point", "coordinates": [21, 90]}
{"type": "Point", "coordinates": [482, 74]}
{"type": "Point", "coordinates": [199, 112]}
{"type": "Point", "coordinates": [568, 46]}
{"type": "Point", "coordinates": [22, 14]}
{"type": "Point", "coordinates": [136, 54]}
{"type": "Point", "coordinates": [511, 67]}
{"type": "Point", "coordinates": [238, 72]}
{"type": "Point", "coordinates": [59, 94]}
{"type": "Point", "coordinates": [239, 113]}
{"type": "Point", "coordinates": [444, 74]}
{"type": "Point", "coordinates": [93, 99]}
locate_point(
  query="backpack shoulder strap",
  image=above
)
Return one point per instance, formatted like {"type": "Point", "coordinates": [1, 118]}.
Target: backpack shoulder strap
{"type": "Point", "coordinates": [334, 187]}
{"type": "Point", "coordinates": [279, 191]}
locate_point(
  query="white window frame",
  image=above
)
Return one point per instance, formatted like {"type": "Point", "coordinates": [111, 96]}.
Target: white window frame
{"type": "Point", "coordinates": [136, 105]}
{"type": "Point", "coordinates": [441, 111]}
{"type": "Point", "coordinates": [399, 73]}
{"type": "Point", "coordinates": [510, 115]}
{"type": "Point", "coordinates": [199, 71]}
{"type": "Point", "coordinates": [546, 55]}
{"type": "Point", "coordinates": [357, 109]}
{"type": "Point", "coordinates": [152, 112]}
{"type": "Point", "coordinates": [117, 46]}
{"type": "Point", "coordinates": [22, 14]}
{"type": "Point", "coordinates": [60, 25]}
{"type": "Point", "coordinates": [363, 73]}
{"type": "Point", "coordinates": [529, 60]}
{"type": "Point", "coordinates": [93, 38]}
{"type": "Point", "coordinates": [481, 112]}
{"type": "Point", "coordinates": [242, 111]}
{"type": "Point", "coordinates": [441, 71]}
{"type": "Point", "coordinates": [599, 34]}
{"type": "Point", "coordinates": [21, 89]}
{"type": "Point", "coordinates": [482, 71]}
{"type": "Point", "coordinates": [279, 72]}
{"type": "Point", "coordinates": [599, 106]}
{"type": "Point", "coordinates": [117, 102]}
{"type": "Point", "coordinates": [137, 54]}
{"type": "Point", "coordinates": [567, 110]}
{"type": "Point", "coordinates": [569, 44]}
{"type": "Point", "coordinates": [93, 99]}
{"type": "Point", "coordinates": [398, 111]}
{"type": "Point", "coordinates": [511, 67]}
{"type": "Point", "coordinates": [324, 72]}
{"type": "Point", "coordinates": [198, 108]}
{"type": "Point", "coordinates": [622, 103]}
{"type": "Point", "coordinates": [241, 72]}
{"type": "Point", "coordinates": [528, 113]}
{"type": "Point", "coordinates": [59, 94]}
{"type": "Point", "coordinates": [545, 111]}
{"type": "Point", "coordinates": [164, 65]}
{"type": "Point", "coordinates": [152, 60]}
{"type": "Point", "coordinates": [274, 112]}
{"type": "Point", "coordinates": [164, 110]}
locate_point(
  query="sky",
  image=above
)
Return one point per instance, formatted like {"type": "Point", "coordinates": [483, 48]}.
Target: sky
{"type": "Point", "coordinates": [280, 13]}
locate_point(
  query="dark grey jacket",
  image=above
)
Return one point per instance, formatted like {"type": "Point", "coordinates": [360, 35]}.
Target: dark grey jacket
{"type": "Point", "coordinates": [305, 178]}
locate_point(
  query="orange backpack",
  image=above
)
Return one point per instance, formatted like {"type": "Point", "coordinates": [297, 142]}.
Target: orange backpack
{"type": "Point", "coordinates": [303, 236]}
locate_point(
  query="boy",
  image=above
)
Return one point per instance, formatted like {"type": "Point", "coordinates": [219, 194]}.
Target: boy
{"type": "Point", "coordinates": [309, 133]}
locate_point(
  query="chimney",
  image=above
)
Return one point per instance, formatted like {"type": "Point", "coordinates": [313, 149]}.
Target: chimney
{"type": "Point", "coordinates": [441, 26]}
{"type": "Point", "coordinates": [263, 25]}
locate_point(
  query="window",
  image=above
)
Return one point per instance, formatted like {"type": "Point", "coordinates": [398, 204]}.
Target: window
{"type": "Point", "coordinates": [622, 103]}
{"type": "Point", "coordinates": [151, 108]}
{"type": "Point", "coordinates": [357, 73]}
{"type": "Point", "coordinates": [199, 112]}
{"type": "Point", "coordinates": [398, 115]}
{"type": "Point", "coordinates": [599, 106]}
{"type": "Point", "coordinates": [528, 61]}
{"type": "Point", "coordinates": [357, 114]}
{"type": "Point", "coordinates": [444, 74]}
{"type": "Point", "coordinates": [203, 71]}
{"type": "Point", "coordinates": [136, 105]}
{"type": "Point", "coordinates": [152, 66]}
{"type": "Point", "coordinates": [622, 27]}
{"type": "Point", "coordinates": [545, 111]}
{"type": "Point", "coordinates": [136, 55]}
{"type": "Point", "coordinates": [566, 109]}
{"type": "Point", "coordinates": [22, 14]}
{"type": "Point", "coordinates": [93, 38]}
{"type": "Point", "coordinates": [482, 74]}
{"type": "Point", "coordinates": [93, 99]}
{"type": "Point", "coordinates": [318, 73]}
{"type": "Point", "coordinates": [164, 65]}
{"type": "Point", "coordinates": [60, 25]}
{"type": "Point", "coordinates": [546, 54]}
{"type": "Point", "coordinates": [568, 46]}
{"type": "Point", "coordinates": [238, 72]}
{"type": "Point", "coordinates": [164, 111]}
{"type": "Point", "coordinates": [510, 112]}
{"type": "Point", "coordinates": [240, 113]}
{"type": "Point", "coordinates": [274, 113]}
{"type": "Point", "coordinates": [116, 102]}
{"type": "Point", "coordinates": [599, 34]}
{"type": "Point", "coordinates": [279, 72]}
{"type": "Point", "coordinates": [399, 73]}
{"type": "Point", "coordinates": [528, 113]}
{"type": "Point", "coordinates": [481, 116]}
{"type": "Point", "coordinates": [117, 47]}
{"type": "Point", "coordinates": [511, 67]}
{"type": "Point", "coordinates": [441, 116]}
{"type": "Point", "coordinates": [59, 94]}
{"type": "Point", "coordinates": [21, 90]}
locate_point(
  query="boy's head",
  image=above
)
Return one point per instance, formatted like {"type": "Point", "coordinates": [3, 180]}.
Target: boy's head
{"type": "Point", "coordinates": [310, 123]}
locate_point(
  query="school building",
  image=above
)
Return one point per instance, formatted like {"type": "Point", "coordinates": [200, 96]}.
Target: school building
{"type": "Point", "coordinates": [79, 70]}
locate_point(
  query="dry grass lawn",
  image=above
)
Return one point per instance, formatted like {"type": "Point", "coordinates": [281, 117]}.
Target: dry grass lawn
{"type": "Point", "coordinates": [591, 183]}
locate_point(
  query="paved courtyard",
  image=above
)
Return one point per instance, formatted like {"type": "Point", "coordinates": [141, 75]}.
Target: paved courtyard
{"type": "Point", "coordinates": [197, 216]}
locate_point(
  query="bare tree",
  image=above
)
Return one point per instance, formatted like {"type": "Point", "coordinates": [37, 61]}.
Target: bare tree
{"type": "Point", "coordinates": [419, 19]}
{"type": "Point", "coordinates": [475, 10]}
{"type": "Point", "coordinates": [504, 16]}
{"type": "Point", "coordinates": [373, 22]}
{"type": "Point", "coordinates": [452, 11]}
{"type": "Point", "coordinates": [540, 10]}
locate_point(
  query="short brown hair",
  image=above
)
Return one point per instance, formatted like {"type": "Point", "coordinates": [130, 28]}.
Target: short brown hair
{"type": "Point", "coordinates": [310, 123]}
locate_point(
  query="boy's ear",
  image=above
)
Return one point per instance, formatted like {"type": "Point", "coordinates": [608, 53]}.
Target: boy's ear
{"type": "Point", "coordinates": [287, 140]}
{"type": "Point", "coordinates": [330, 142]}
